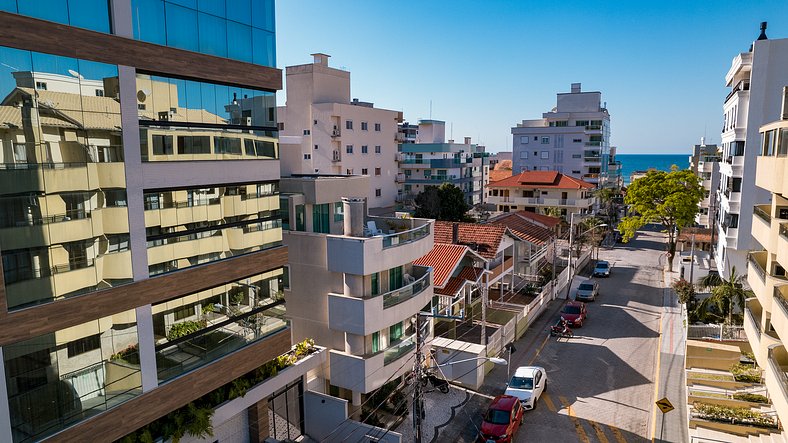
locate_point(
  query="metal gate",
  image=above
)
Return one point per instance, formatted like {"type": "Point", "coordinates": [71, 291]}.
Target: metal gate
{"type": "Point", "coordinates": [286, 412]}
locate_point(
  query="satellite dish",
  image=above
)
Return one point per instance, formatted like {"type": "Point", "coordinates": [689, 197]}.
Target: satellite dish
{"type": "Point", "coordinates": [75, 74]}
{"type": "Point", "coordinates": [141, 96]}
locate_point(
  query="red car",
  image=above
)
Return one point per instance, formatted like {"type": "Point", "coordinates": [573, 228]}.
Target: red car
{"type": "Point", "coordinates": [575, 313]}
{"type": "Point", "coordinates": [502, 420]}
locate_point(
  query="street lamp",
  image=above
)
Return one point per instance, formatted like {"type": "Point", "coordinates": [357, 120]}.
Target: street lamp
{"type": "Point", "coordinates": [497, 360]}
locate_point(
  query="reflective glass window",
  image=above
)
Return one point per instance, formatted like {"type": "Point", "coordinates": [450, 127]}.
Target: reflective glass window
{"type": "Point", "coordinates": [263, 14]}
{"type": "Point", "coordinates": [89, 14]}
{"type": "Point", "coordinates": [239, 41]}
{"type": "Point", "coordinates": [181, 26]}
{"type": "Point", "coordinates": [212, 34]}
{"type": "Point", "coordinates": [56, 380]}
{"type": "Point", "coordinates": [213, 7]}
{"type": "Point", "coordinates": [240, 11]}
{"type": "Point", "coordinates": [62, 179]}
{"type": "Point", "coordinates": [263, 49]}
{"type": "Point", "coordinates": [188, 3]}
{"type": "Point", "coordinates": [8, 5]}
{"type": "Point", "coordinates": [52, 10]}
{"type": "Point", "coordinates": [148, 21]}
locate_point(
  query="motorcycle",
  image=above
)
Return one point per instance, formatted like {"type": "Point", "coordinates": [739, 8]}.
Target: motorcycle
{"type": "Point", "coordinates": [561, 329]}
{"type": "Point", "coordinates": [436, 382]}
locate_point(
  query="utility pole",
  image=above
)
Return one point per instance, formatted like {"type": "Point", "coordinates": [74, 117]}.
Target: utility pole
{"type": "Point", "coordinates": [692, 258]}
{"type": "Point", "coordinates": [569, 264]}
{"type": "Point", "coordinates": [555, 252]}
{"type": "Point", "coordinates": [484, 311]}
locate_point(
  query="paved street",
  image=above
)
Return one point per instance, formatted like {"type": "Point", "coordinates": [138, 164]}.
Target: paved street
{"type": "Point", "coordinates": [601, 382]}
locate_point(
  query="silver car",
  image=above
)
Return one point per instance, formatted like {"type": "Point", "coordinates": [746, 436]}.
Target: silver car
{"type": "Point", "coordinates": [587, 291]}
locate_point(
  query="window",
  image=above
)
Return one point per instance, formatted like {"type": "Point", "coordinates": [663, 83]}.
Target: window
{"type": "Point", "coordinates": [363, 126]}
{"type": "Point", "coordinates": [339, 213]}
{"type": "Point", "coordinates": [545, 140]}
{"type": "Point", "coordinates": [350, 172]}
{"type": "Point", "coordinates": [151, 201]}
{"type": "Point", "coordinates": [733, 221]}
{"type": "Point", "coordinates": [577, 140]}
{"type": "Point", "coordinates": [115, 197]}
{"type": "Point", "coordinates": [117, 243]}
{"type": "Point", "coordinates": [349, 149]}
{"type": "Point", "coordinates": [736, 184]}
{"type": "Point", "coordinates": [375, 284]}
{"type": "Point", "coordinates": [395, 331]}
{"type": "Point", "coordinates": [575, 172]}
{"type": "Point", "coordinates": [307, 132]}
{"type": "Point", "coordinates": [523, 155]}
{"type": "Point", "coordinates": [199, 144]}
{"type": "Point", "coordinates": [377, 192]}
{"type": "Point", "coordinates": [307, 156]}
{"type": "Point", "coordinates": [377, 149]}
{"type": "Point", "coordinates": [162, 144]}
{"type": "Point", "coordinates": [41, 85]}
{"type": "Point", "coordinates": [83, 345]}
{"type": "Point", "coordinates": [99, 93]}
{"type": "Point", "coordinates": [576, 155]}
{"type": "Point", "coordinates": [536, 138]}
{"type": "Point", "coordinates": [377, 127]}
{"type": "Point", "coordinates": [348, 124]}
{"type": "Point", "coordinates": [545, 155]}
{"type": "Point", "coordinates": [364, 171]}
{"type": "Point", "coordinates": [377, 171]}
{"type": "Point", "coordinates": [184, 312]}
{"type": "Point", "coordinates": [320, 222]}
{"type": "Point", "coordinates": [141, 106]}
{"type": "Point", "coordinates": [524, 139]}
{"type": "Point", "coordinates": [364, 149]}
{"type": "Point", "coordinates": [226, 145]}
{"type": "Point", "coordinates": [315, 147]}
{"type": "Point", "coordinates": [375, 342]}
{"type": "Point", "coordinates": [427, 173]}
{"type": "Point", "coordinates": [395, 278]}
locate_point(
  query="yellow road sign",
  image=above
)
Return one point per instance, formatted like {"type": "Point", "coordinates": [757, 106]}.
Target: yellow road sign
{"type": "Point", "coordinates": [664, 405]}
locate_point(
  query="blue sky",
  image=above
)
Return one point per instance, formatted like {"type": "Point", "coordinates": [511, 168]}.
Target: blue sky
{"type": "Point", "coordinates": [487, 65]}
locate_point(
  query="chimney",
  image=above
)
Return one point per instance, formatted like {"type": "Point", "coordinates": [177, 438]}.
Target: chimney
{"type": "Point", "coordinates": [763, 32]}
{"type": "Point", "coordinates": [319, 58]}
{"type": "Point", "coordinates": [455, 233]}
{"type": "Point", "coordinates": [354, 216]}
{"type": "Point", "coordinates": [576, 88]}
{"type": "Point", "coordinates": [467, 140]}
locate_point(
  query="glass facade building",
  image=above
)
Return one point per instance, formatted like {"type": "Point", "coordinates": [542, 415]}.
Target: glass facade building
{"type": "Point", "coordinates": [140, 231]}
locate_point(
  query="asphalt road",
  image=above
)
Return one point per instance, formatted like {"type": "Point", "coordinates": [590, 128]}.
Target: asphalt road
{"type": "Point", "coordinates": [601, 382]}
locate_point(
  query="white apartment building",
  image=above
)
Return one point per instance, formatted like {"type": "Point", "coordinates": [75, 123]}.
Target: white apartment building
{"type": "Point", "coordinates": [432, 161]}
{"type": "Point", "coordinates": [323, 131]}
{"type": "Point", "coordinates": [705, 163]}
{"type": "Point", "coordinates": [756, 79]}
{"type": "Point", "coordinates": [573, 138]}
{"type": "Point", "coordinates": [354, 287]}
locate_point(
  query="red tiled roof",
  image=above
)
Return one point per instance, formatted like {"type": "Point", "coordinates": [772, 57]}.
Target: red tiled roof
{"type": "Point", "coordinates": [702, 235]}
{"type": "Point", "coordinates": [524, 228]}
{"type": "Point", "coordinates": [542, 180]}
{"type": "Point", "coordinates": [545, 220]}
{"type": "Point", "coordinates": [471, 273]}
{"type": "Point", "coordinates": [452, 286]}
{"type": "Point", "coordinates": [443, 258]}
{"type": "Point", "coordinates": [504, 164]}
{"type": "Point", "coordinates": [499, 174]}
{"type": "Point", "coordinates": [487, 237]}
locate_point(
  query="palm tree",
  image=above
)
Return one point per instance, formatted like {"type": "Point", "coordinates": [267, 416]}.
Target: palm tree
{"type": "Point", "coordinates": [725, 293]}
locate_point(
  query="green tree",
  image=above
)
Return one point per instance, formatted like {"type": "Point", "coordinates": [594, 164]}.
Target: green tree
{"type": "Point", "coordinates": [445, 202]}
{"type": "Point", "coordinates": [669, 198]}
{"type": "Point", "coordinates": [725, 293]}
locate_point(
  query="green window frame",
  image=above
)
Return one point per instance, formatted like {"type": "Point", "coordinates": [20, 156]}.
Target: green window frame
{"type": "Point", "coordinates": [395, 332]}
{"type": "Point", "coordinates": [300, 216]}
{"type": "Point", "coordinates": [320, 220]}
{"type": "Point", "coordinates": [375, 342]}
{"type": "Point", "coordinates": [375, 284]}
{"type": "Point", "coordinates": [395, 278]}
{"type": "Point", "coordinates": [339, 214]}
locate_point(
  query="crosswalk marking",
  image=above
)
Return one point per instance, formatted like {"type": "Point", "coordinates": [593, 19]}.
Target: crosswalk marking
{"type": "Point", "coordinates": [617, 434]}
{"type": "Point", "coordinates": [549, 402]}
{"type": "Point", "coordinates": [600, 433]}
{"type": "Point", "coordinates": [581, 433]}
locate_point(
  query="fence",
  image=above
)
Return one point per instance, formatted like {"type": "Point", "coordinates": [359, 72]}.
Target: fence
{"type": "Point", "coordinates": [716, 332]}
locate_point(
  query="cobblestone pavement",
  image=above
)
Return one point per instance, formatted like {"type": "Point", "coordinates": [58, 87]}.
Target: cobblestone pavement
{"type": "Point", "coordinates": [440, 410]}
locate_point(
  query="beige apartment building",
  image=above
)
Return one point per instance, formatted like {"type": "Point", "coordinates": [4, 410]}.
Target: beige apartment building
{"type": "Point", "coordinates": [542, 192]}
{"type": "Point", "coordinates": [766, 315]}
{"type": "Point", "coordinates": [323, 131]}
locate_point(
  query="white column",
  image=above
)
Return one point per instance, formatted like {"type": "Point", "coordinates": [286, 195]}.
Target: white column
{"type": "Point", "coordinates": [5, 412]}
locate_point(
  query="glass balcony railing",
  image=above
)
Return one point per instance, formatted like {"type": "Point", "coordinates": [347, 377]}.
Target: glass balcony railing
{"type": "Point", "coordinates": [398, 296]}
{"type": "Point", "coordinates": [404, 346]}
{"type": "Point", "coordinates": [762, 214]}
{"type": "Point", "coordinates": [411, 235]}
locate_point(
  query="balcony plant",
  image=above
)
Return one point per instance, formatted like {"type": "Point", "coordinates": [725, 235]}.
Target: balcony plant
{"type": "Point", "coordinates": [746, 373]}
{"type": "Point", "coordinates": [733, 415]}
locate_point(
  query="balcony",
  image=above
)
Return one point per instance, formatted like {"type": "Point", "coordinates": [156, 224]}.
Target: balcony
{"type": "Point", "coordinates": [501, 268]}
{"type": "Point", "coordinates": [771, 174]}
{"type": "Point", "coordinates": [398, 241]}
{"type": "Point", "coordinates": [400, 178]}
{"type": "Point", "coordinates": [763, 230]}
{"type": "Point", "coordinates": [779, 310]}
{"type": "Point", "coordinates": [337, 156]}
{"type": "Point", "coordinates": [593, 143]}
{"type": "Point", "coordinates": [756, 277]}
{"type": "Point", "coordinates": [532, 201]}
{"type": "Point", "coordinates": [763, 338]}
{"type": "Point", "coordinates": [365, 315]}
{"type": "Point", "coordinates": [367, 373]}
{"type": "Point", "coordinates": [782, 243]}
{"type": "Point", "coordinates": [251, 235]}
{"type": "Point", "coordinates": [777, 381]}
{"type": "Point", "coordinates": [593, 128]}
{"type": "Point", "coordinates": [336, 133]}
{"type": "Point", "coordinates": [247, 204]}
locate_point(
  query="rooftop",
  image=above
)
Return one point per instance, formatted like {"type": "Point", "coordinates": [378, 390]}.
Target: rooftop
{"type": "Point", "coordinates": [542, 180]}
{"type": "Point", "coordinates": [483, 239]}
{"type": "Point", "coordinates": [524, 228]}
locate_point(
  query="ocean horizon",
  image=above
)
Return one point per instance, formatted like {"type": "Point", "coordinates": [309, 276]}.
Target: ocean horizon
{"type": "Point", "coordinates": [641, 162]}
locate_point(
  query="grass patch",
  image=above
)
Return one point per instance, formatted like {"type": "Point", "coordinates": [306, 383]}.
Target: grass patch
{"type": "Point", "coordinates": [708, 376]}
{"type": "Point", "coordinates": [753, 398]}
{"type": "Point", "coordinates": [708, 394]}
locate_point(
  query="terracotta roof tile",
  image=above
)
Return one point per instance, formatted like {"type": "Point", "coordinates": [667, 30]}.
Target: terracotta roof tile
{"type": "Point", "coordinates": [453, 285]}
{"type": "Point", "coordinates": [443, 258]}
{"type": "Point", "coordinates": [524, 228]}
{"type": "Point", "coordinates": [702, 235]}
{"type": "Point", "coordinates": [545, 220]}
{"type": "Point", "coordinates": [504, 164]}
{"type": "Point", "coordinates": [499, 174]}
{"type": "Point", "coordinates": [486, 238]}
{"type": "Point", "coordinates": [542, 180]}
{"type": "Point", "coordinates": [471, 273]}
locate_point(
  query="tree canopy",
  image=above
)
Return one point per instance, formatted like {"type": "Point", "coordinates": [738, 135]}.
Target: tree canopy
{"type": "Point", "coordinates": [444, 202]}
{"type": "Point", "coordinates": [669, 198]}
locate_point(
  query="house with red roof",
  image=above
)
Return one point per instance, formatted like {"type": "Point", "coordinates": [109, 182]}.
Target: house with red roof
{"type": "Point", "coordinates": [539, 191]}
{"type": "Point", "coordinates": [534, 246]}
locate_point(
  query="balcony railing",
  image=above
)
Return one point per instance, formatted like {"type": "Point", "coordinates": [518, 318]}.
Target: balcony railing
{"type": "Point", "coordinates": [780, 371]}
{"type": "Point", "coordinates": [593, 127]}
{"type": "Point", "coordinates": [752, 261]}
{"type": "Point", "coordinates": [784, 230]}
{"type": "Point", "coordinates": [778, 295]}
{"type": "Point", "coordinates": [763, 215]}
{"type": "Point", "coordinates": [394, 353]}
{"type": "Point", "coordinates": [594, 143]}
{"type": "Point", "coordinates": [398, 296]}
{"type": "Point", "coordinates": [17, 220]}
{"type": "Point", "coordinates": [411, 235]}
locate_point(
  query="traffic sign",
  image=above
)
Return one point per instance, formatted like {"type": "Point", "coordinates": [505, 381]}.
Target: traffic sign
{"type": "Point", "coordinates": [664, 405]}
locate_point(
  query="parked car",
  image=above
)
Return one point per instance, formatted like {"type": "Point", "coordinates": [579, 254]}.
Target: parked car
{"type": "Point", "coordinates": [575, 313]}
{"type": "Point", "coordinates": [502, 420]}
{"type": "Point", "coordinates": [528, 383]}
{"type": "Point", "coordinates": [602, 269]}
{"type": "Point", "coordinates": [587, 291]}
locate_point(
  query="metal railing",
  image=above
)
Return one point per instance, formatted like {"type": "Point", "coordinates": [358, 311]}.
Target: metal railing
{"type": "Point", "coordinates": [778, 295]}
{"type": "Point", "coordinates": [752, 261]}
{"type": "Point", "coordinates": [397, 296]}
{"type": "Point", "coordinates": [784, 230]}
{"type": "Point", "coordinates": [393, 353]}
{"type": "Point", "coordinates": [392, 240]}
{"type": "Point", "coordinates": [718, 332]}
{"type": "Point", "coordinates": [762, 214]}
{"type": "Point", "coordinates": [10, 221]}
{"type": "Point", "coordinates": [782, 377]}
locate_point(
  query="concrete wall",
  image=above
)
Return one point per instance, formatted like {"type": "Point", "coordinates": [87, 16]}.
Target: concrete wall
{"type": "Point", "coordinates": [709, 355]}
{"type": "Point", "coordinates": [325, 419]}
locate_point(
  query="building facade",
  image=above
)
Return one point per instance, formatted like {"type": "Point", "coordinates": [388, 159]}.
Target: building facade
{"type": "Point", "coordinates": [323, 131]}
{"type": "Point", "coordinates": [573, 138]}
{"type": "Point", "coordinates": [766, 315]}
{"type": "Point", "coordinates": [756, 79]}
{"type": "Point", "coordinates": [543, 192]}
{"type": "Point", "coordinates": [432, 161]}
{"type": "Point", "coordinates": [705, 163]}
{"type": "Point", "coordinates": [142, 257]}
{"type": "Point", "coordinates": [363, 290]}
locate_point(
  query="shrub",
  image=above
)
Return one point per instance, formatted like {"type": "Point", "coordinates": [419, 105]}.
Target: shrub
{"type": "Point", "coordinates": [684, 290]}
{"type": "Point", "coordinates": [130, 354]}
{"type": "Point", "coordinates": [754, 398]}
{"type": "Point", "coordinates": [185, 328]}
{"type": "Point", "coordinates": [746, 373]}
{"type": "Point", "coordinates": [734, 415]}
